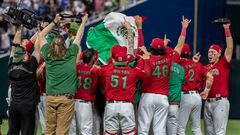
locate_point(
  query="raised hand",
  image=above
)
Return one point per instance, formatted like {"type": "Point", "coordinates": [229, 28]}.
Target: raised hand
{"type": "Point", "coordinates": [185, 22]}
{"type": "Point", "coordinates": [166, 40]}
{"type": "Point", "coordinates": [57, 18]}
{"type": "Point", "coordinates": [126, 24]}
{"type": "Point", "coordinates": [85, 18]}
{"type": "Point", "coordinates": [196, 57]}
{"type": "Point", "coordinates": [146, 54]}
{"type": "Point", "coordinates": [138, 21]}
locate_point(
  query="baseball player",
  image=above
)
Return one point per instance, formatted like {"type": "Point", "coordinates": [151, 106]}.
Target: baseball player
{"type": "Point", "coordinates": [153, 107]}
{"type": "Point", "coordinates": [191, 103]}
{"type": "Point", "coordinates": [86, 93]}
{"type": "Point", "coordinates": [119, 92]}
{"type": "Point", "coordinates": [216, 108]}
{"type": "Point", "coordinates": [177, 80]}
{"type": "Point", "coordinates": [42, 89]}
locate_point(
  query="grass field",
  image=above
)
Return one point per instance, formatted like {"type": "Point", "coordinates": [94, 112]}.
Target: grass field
{"type": "Point", "coordinates": [232, 129]}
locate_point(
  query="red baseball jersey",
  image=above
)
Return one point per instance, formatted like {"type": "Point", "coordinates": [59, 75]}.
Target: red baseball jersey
{"type": "Point", "coordinates": [160, 75]}
{"type": "Point", "coordinates": [194, 74]}
{"type": "Point", "coordinates": [220, 72]}
{"type": "Point", "coordinates": [42, 81]}
{"type": "Point", "coordinates": [120, 81]}
{"type": "Point", "coordinates": [87, 83]}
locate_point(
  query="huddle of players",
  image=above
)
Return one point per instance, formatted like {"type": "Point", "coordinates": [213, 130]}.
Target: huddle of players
{"type": "Point", "coordinates": [164, 72]}
{"type": "Point", "coordinates": [171, 88]}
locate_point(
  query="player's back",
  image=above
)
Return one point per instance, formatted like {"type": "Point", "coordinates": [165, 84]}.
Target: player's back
{"type": "Point", "coordinates": [121, 82]}
{"type": "Point", "coordinates": [158, 82]}
{"type": "Point", "coordinates": [87, 83]}
{"type": "Point", "coordinates": [194, 73]}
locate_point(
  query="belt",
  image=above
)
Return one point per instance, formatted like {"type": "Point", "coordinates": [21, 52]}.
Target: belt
{"type": "Point", "coordinates": [83, 101]}
{"type": "Point", "coordinates": [115, 101]}
{"type": "Point", "coordinates": [215, 99]}
{"type": "Point", "coordinates": [190, 92]}
{"type": "Point", "coordinates": [68, 95]}
{"type": "Point", "coordinates": [174, 103]}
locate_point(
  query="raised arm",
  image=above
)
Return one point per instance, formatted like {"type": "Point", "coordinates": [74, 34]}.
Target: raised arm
{"type": "Point", "coordinates": [80, 31]}
{"type": "Point", "coordinates": [181, 39]}
{"type": "Point", "coordinates": [229, 41]}
{"type": "Point", "coordinates": [16, 39]}
{"type": "Point", "coordinates": [47, 29]}
{"type": "Point", "coordinates": [130, 36]}
{"type": "Point", "coordinates": [36, 52]}
{"type": "Point", "coordinates": [138, 21]}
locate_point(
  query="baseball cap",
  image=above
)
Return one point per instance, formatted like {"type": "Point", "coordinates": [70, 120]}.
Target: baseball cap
{"type": "Point", "coordinates": [186, 49]}
{"type": "Point", "coordinates": [73, 28]}
{"type": "Point", "coordinates": [120, 59]}
{"type": "Point", "coordinates": [157, 43]}
{"type": "Point", "coordinates": [216, 47]}
{"type": "Point", "coordinates": [51, 36]}
{"type": "Point", "coordinates": [115, 49]}
{"type": "Point", "coordinates": [19, 53]}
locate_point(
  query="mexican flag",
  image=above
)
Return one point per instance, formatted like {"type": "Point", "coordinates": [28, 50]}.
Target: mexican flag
{"type": "Point", "coordinates": [109, 33]}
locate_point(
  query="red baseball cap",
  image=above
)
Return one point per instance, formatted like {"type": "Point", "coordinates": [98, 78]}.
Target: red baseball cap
{"type": "Point", "coordinates": [120, 59]}
{"type": "Point", "coordinates": [157, 43]}
{"type": "Point", "coordinates": [216, 47]}
{"type": "Point", "coordinates": [124, 49]}
{"type": "Point", "coordinates": [115, 49]}
{"type": "Point", "coordinates": [186, 49]}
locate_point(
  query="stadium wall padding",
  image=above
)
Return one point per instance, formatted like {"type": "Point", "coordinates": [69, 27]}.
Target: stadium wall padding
{"type": "Point", "coordinates": [164, 17]}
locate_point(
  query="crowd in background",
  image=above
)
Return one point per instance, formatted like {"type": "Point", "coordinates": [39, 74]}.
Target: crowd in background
{"type": "Point", "coordinates": [94, 8]}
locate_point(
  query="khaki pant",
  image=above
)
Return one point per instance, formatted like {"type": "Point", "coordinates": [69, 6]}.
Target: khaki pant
{"type": "Point", "coordinates": [59, 113]}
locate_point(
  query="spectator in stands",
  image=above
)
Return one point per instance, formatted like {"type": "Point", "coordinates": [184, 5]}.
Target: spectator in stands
{"type": "Point", "coordinates": [4, 35]}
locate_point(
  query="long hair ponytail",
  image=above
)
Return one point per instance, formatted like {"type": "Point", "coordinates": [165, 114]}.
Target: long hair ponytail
{"type": "Point", "coordinates": [58, 50]}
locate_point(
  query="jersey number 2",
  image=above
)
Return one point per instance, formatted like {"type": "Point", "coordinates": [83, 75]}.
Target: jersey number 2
{"type": "Point", "coordinates": [192, 73]}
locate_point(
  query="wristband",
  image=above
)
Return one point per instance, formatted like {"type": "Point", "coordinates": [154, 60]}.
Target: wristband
{"type": "Point", "coordinates": [227, 32]}
{"type": "Point", "coordinates": [183, 32]}
{"type": "Point", "coordinates": [54, 22]}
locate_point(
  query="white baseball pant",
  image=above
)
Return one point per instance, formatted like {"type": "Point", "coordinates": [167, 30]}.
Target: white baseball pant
{"type": "Point", "coordinates": [172, 119]}
{"type": "Point", "coordinates": [216, 116]}
{"type": "Point", "coordinates": [152, 108]}
{"type": "Point", "coordinates": [41, 112]}
{"type": "Point", "coordinates": [96, 121]}
{"type": "Point", "coordinates": [190, 109]}
{"type": "Point", "coordinates": [119, 115]}
{"type": "Point", "coordinates": [83, 118]}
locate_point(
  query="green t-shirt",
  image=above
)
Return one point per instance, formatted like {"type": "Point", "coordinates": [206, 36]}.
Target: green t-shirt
{"type": "Point", "coordinates": [177, 80]}
{"type": "Point", "coordinates": [60, 73]}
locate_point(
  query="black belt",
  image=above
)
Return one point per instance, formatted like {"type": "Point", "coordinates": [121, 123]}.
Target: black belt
{"type": "Point", "coordinates": [190, 92]}
{"type": "Point", "coordinates": [215, 99]}
{"type": "Point", "coordinates": [173, 103]}
{"type": "Point", "coordinates": [83, 101]}
{"type": "Point", "coordinates": [115, 101]}
{"type": "Point", "coordinates": [68, 95]}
